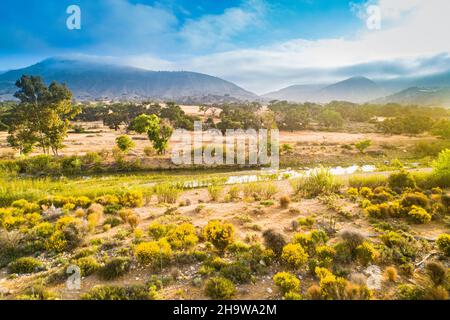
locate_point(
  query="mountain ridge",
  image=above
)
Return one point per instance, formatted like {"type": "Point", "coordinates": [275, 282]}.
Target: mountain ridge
{"type": "Point", "coordinates": [90, 80]}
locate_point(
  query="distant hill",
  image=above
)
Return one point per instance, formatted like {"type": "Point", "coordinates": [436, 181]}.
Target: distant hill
{"type": "Point", "coordinates": [298, 93]}
{"type": "Point", "coordinates": [355, 89]}
{"type": "Point", "coordinates": [92, 81]}
{"type": "Point", "coordinates": [426, 96]}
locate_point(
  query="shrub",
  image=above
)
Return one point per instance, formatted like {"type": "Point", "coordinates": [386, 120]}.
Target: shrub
{"type": "Point", "coordinates": [214, 192]}
{"type": "Point", "coordinates": [294, 255]}
{"type": "Point", "coordinates": [319, 182]}
{"type": "Point", "coordinates": [220, 288]}
{"type": "Point", "coordinates": [268, 190]}
{"type": "Point", "coordinates": [131, 199]}
{"type": "Point", "coordinates": [374, 211]}
{"type": "Point", "coordinates": [441, 168]}
{"type": "Point", "coordinates": [437, 272]}
{"type": "Point", "coordinates": [167, 193]}
{"type": "Point", "coordinates": [402, 179]}
{"type": "Point", "coordinates": [93, 220]}
{"type": "Point", "coordinates": [107, 199]}
{"type": "Point", "coordinates": [352, 193]}
{"type": "Point", "coordinates": [68, 235]}
{"type": "Point", "coordinates": [119, 293]}
{"type": "Point", "coordinates": [352, 238]}
{"type": "Point", "coordinates": [363, 145]}
{"type": "Point", "coordinates": [331, 287]}
{"type": "Point", "coordinates": [436, 293]}
{"type": "Point", "coordinates": [391, 274]}
{"type": "Point", "coordinates": [82, 202]}
{"type": "Point", "coordinates": [285, 201]}
{"type": "Point", "coordinates": [325, 255]}
{"type": "Point", "coordinates": [286, 282]}
{"type": "Point", "coordinates": [310, 240]}
{"type": "Point", "coordinates": [27, 207]}
{"type": "Point", "coordinates": [443, 243]}
{"type": "Point", "coordinates": [237, 272]}
{"type": "Point", "coordinates": [307, 221]}
{"type": "Point", "coordinates": [87, 265]}
{"type": "Point", "coordinates": [157, 230]}
{"type": "Point", "coordinates": [234, 192]}
{"type": "Point", "coordinates": [414, 199]}
{"type": "Point", "coordinates": [365, 253]}
{"type": "Point", "coordinates": [274, 240]}
{"type": "Point", "coordinates": [115, 268]}
{"type": "Point", "coordinates": [219, 234]}
{"type": "Point", "coordinates": [409, 292]}
{"type": "Point", "coordinates": [95, 208]}
{"type": "Point", "coordinates": [293, 296]}
{"type": "Point", "coordinates": [25, 265]}
{"type": "Point", "coordinates": [182, 236]}
{"type": "Point", "coordinates": [153, 253]}
{"type": "Point", "coordinates": [113, 221]}
{"type": "Point", "coordinates": [419, 215]}
{"type": "Point", "coordinates": [124, 143]}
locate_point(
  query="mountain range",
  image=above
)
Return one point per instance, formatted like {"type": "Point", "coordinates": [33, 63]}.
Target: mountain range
{"type": "Point", "coordinates": [93, 80]}
{"type": "Point", "coordinates": [90, 80]}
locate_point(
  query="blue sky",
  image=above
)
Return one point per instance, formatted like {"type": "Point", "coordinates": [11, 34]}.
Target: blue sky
{"type": "Point", "coordinates": [240, 40]}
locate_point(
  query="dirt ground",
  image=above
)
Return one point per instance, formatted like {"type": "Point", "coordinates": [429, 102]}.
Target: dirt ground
{"type": "Point", "coordinates": [250, 219]}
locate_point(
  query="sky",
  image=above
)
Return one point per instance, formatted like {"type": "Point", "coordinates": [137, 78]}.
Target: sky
{"type": "Point", "coordinates": [260, 45]}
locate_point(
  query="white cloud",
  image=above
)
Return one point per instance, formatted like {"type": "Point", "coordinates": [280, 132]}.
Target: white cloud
{"type": "Point", "coordinates": [411, 30]}
{"type": "Point", "coordinates": [217, 30]}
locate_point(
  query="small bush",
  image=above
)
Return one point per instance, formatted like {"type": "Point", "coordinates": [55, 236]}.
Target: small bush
{"type": "Point", "coordinates": [402, 179]}
{"type": "Point", "coordinates": [119, 293]}
{"type": "Point", "coordinates": [285, 201]}
{"type": "Point", "coordinates": [167, 193]}
{"type": "Point", "coordinates": [294, 255]}
{"type": "Point", "coordinates": [436, 272]}
{"type": "Point", "coordinates": [214, 192]}
{"type": "Point", "coordinates": [157, 230]}
{"type": "Point", "coordinates": [88, 265]}
{"type": "Point", "coordinates": [108, 199]}
{"type": "Point", "coordinates": [220, 288]}
{"type": "Point", "coordinates": [237, 272]}
{"type": "Point", "coordinates": [115, 268]}
{"type": "Point", "coordinates": [365, 253]}
{"type": "Point", "coordinates": [441, 168]}
{"type": "Point", "coordinates": [409, 292]}
{"type": "Point", "coordinates": [153, 253]}
{"type": "Point", "coordinates": [419, 215]}
{"type": "Point", "coordinates": [219, 234]}
{"type": "Point", "coordinates": [25, 265]}
{"type": "Point", "coordinates": [182, 236]}
{"type": "Point", "coordinates": [414, 199]}
{"type": "Point", "coordinates": [274, 240]}
{"type": "Point", "coordinates": [391, 274]}
{"type": "Point", "coordinates": [319, 182]}
{"type": "Point", "coordinates": [124, 143]}
{"type": "Point", "coordinates": [131, 199]}
{"type": "Point", "coordinates": [443, 243]}
{"type": "Point", "coordinates": [233, 192]}
{"type": "Point", "coordinates": [286, 282]}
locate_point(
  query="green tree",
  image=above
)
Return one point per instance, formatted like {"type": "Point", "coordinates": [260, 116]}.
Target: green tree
{"type": "Point", "coordinates": [42, 116]}
{"type": "Point", "coordinates": [442, 128]}
{"type": "Point", "coordinates": [124, 143]}
{"type": "Point", "coordinates": [157, 131]}
{"type": "Point", "coordinates": [363, 145]}
{"type": "Point", "coordinates": [330, 119]}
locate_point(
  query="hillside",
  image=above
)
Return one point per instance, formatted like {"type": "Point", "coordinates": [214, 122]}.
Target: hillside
{"type": "Point", "coordinates": [92, 80]}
